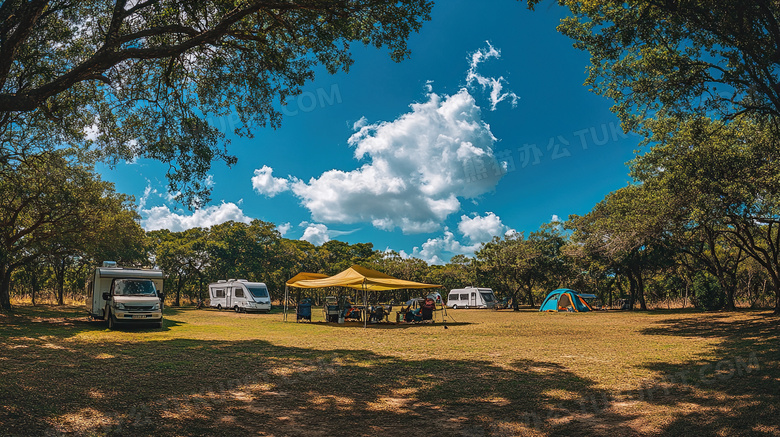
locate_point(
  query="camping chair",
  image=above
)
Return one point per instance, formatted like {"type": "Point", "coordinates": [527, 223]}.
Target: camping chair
{"type": "Point", "coordinates": [303, 310]}
{"type": "Point", "coordinates": [376, 314]}
{"type": "Point", "coordinates": [426, 311]}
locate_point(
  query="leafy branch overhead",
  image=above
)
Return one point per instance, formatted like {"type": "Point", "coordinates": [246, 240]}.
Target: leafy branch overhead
{"type": "Point", "coordinates": [142, 77]}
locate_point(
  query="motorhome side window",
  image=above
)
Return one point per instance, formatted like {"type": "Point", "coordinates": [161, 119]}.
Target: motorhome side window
{"type": "Point", "coordinates": [464, 297]}
{"type": "Point", "coordinates": [239, 292]}
{"type": "Point", "coordinates": [219, 292]}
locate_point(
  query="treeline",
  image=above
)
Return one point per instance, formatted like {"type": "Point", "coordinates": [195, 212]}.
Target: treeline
{"type": "Point", "coordinates": [628, 268]}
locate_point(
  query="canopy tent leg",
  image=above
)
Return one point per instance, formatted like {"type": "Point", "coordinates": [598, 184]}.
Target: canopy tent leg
{"type": "Point", "coordinates": [286, 294]}
{"type": "Point", "coordinates": [365, 305]}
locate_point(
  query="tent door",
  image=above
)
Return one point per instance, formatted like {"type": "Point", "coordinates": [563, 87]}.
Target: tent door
{"type": "Point", "coordinates": [564, 301]}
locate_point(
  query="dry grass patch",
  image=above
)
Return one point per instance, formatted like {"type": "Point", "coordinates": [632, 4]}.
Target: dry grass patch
{"type": "Point", "coordinates": [490, 373]}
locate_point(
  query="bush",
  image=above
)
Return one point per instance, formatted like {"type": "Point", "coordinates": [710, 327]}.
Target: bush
{"type": "Point", "coordinates": [707, 294]}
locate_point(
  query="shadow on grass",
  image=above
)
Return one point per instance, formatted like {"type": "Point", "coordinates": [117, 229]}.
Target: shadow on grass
{"type": "Point", "coordinates": [52, 385]}
{"type": "Point", "coordinates": [738, 392]}
{"type": "Point", "coordinates": [355, 324]}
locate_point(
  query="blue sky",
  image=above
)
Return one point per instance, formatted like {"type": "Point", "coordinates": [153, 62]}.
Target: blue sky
{"type": "Point", "coordinates": [426, 157]}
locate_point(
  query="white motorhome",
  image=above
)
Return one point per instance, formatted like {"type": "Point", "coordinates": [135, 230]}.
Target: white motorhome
{"type": "Point", "coordinates": [240, 295]}
{"type": "Point", "coordinates": [471, 297]}
{"type": "Point", "coordinates": [125, 296]}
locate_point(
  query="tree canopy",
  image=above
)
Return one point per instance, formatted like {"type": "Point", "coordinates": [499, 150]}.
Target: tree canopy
{"type": "Point", "coordinates": [126, 79]}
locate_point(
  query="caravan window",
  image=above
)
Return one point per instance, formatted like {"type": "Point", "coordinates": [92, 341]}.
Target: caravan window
{"type": "Point", "coordinates": [464, 297]}
{"type": "Point", "coordinates": [239, 292]}
{"type": "Point", "coordinates": [219, 292]}
{"type": "Point", "coordinates": [488, 297]}
{"type": "Point", "coordinates": [258, 291]}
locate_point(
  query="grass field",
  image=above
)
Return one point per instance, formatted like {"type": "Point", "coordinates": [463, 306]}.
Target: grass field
{"type": "Point", "coordinates": [490, 373]}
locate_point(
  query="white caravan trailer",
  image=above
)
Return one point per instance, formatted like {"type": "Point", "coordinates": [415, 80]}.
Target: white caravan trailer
{"type": "Point", "coordinates": [471, 297]}
{"type": "Point", "coordinates": [118, 295]}
{"type": "Point", "coordinates": [240, 295]}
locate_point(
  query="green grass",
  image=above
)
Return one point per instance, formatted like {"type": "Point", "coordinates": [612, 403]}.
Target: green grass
{"type": "Point", "coordinates": [490, 373]}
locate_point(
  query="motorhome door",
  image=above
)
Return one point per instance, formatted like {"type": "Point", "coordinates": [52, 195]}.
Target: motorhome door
{"type": "Point", "coordinates": [229, 297]}
{"type": "Point", "coordinates": [473, 299]}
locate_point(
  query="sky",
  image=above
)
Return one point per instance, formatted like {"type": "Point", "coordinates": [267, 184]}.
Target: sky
{"type": "Point", "coordinates": [486, 129]}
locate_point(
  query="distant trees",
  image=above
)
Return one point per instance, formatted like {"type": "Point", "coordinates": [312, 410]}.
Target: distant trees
{"type": "Point", "coordinates": [54, 210]}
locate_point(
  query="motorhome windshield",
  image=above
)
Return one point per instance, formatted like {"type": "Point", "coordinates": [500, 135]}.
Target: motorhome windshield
{"type": "Point", "coordinates": [258, 291]}
{"type": "Point", "coordinates": [134, 287]}
{"type": "Point", "coordinates": [488, 297]}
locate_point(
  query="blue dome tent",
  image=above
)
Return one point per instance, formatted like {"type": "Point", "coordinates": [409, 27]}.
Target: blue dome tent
{"type": "Point", "coordinates": [564, 299]}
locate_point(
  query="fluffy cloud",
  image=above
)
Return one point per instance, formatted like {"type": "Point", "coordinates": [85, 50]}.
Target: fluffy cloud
{"type": "Point", "coordinates": [477, 229]}
{"type": "Point", "coordinates": [419, 165]}
{"type": "Point", "coordinates": [316, 234]}
{"type": "Point", "coordinates": [438, 250]}
{"type": "Point", "coordinates": [161, 217]}
{"type": "Point", "coordinates": [480, 229]}
{"type": "Point", "coordinates": [284, 228]}
{"type": "Point", "coordinates": [496, 85]}
{"type": "Point", "coordinates": [264, 183]}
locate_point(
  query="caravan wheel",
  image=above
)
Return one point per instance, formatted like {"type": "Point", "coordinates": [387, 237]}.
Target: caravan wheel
{"type": "Point", "coordinates": [219, 307]}
{"type": "Point", "coordinates": [454, 307]}
{"type": "Point", "coordinates": [238, 310]}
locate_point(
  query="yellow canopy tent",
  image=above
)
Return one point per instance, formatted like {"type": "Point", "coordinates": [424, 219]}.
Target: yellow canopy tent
{"type": "Point", "coordinates": [359, 278]}
{"type": "Point", "coordinates": [299, 277]}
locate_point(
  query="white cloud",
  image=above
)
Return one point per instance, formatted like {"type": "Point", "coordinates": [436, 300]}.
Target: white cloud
{"type": "Point", "coordinates": [436, 250]}
{"type": "Point", "coordinates": [284, 228]}
{"type": "Point", "coordinates": [264, 183]}
{"type": "Point", "coordinates": [148, 191]}
{"type": "Point", "coordinates": [161, 217]}
{"type": "Point", "coordinates": [496, 85]}
{"type": "Point", "coordinates": [555, 218]}
{"type": "Point", "coordinates": [420, 164]}
{"type": "Point", "coordinates": [480, 229]}
{"type": "Point", "coordinates": [315, 233]}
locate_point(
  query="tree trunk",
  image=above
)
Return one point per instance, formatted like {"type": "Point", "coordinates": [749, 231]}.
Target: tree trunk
{"type": "Point", "coordinates": [5, 289]}
{"type": "Point", "coordinates": [515, 304]}
{"type": "Point", "coordinates": [631, 291]}
{"type": "Point", "coordinates": [640, 289]}
{"type": "Point", "coordinates": [776, 286]}
{"type": "Point", "coordinates": [59, 273]}
{"type": "Point", "coordinates": [530, 291]}
{"type": "Point", "coordinates": [177, 303]}
{"type": "Point", "coordinates": [34, 285]}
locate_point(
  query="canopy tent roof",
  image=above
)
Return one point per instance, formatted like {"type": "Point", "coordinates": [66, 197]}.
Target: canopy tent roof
{"type": "Point", "coordinates": [360, 278]}
{"type": "Point", "coordinates": [304, 276]}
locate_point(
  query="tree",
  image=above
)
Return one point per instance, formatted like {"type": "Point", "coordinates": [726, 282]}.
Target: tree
{"type": "Point", "coordinates": [626, 230]}
{"type": "Point", "coordinates": [49, 206]}
{"type": "Point", "coordinates": [142, 77]}
{"type": "Point", "coordinates": [510, 263]}
{"type": "Point", "coordinates": [724, 179]}
{"type": "Point", "coordinates": [680, 57]}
